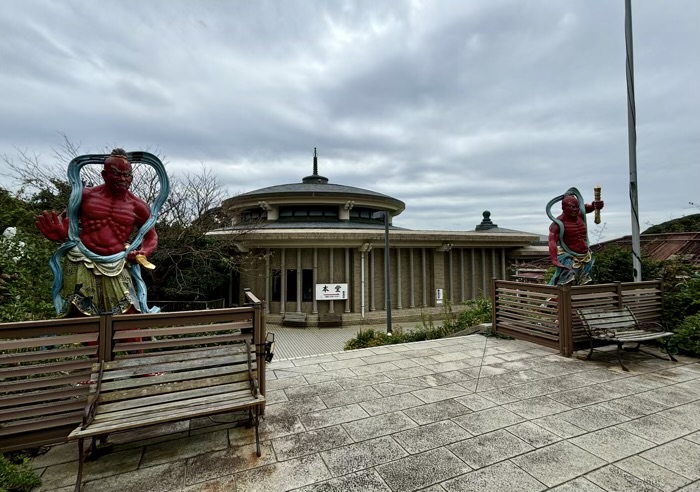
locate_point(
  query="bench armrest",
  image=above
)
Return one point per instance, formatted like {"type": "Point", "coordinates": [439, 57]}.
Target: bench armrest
{"type": "Point", "coordinates": [91, 407]}
{"type": "Point", "coordinates": [251, 379]}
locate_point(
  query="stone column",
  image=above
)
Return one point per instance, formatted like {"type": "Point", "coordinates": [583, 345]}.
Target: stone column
{"type": "Point", "coordinates": [314, 306]}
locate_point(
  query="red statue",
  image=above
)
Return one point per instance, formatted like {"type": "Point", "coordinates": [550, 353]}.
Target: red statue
{"type": "Point", "coordinates": [93, 280]}
{"type": "Point", "coordinates": [568, 239]}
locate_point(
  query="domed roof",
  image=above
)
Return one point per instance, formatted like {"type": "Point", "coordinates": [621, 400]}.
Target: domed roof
{"type": "Point", "coordinates": [316, 185]}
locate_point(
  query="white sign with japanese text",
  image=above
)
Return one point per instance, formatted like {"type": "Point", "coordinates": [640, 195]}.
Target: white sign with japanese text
{"type": "Point", "coordinates": [331, 292]}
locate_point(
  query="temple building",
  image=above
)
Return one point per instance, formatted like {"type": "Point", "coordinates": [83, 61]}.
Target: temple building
{"type": "Point", "coordinates": [320, 254]}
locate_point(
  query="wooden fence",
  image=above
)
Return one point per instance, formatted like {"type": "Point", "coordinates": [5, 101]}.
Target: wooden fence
{"type": "Point", "coordinates": [545, 314]}
{"type": "Point", "coordinates": [45, 365]}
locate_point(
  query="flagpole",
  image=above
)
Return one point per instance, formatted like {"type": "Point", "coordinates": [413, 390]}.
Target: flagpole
{"type": "Point", "coordinates": [632, 144]}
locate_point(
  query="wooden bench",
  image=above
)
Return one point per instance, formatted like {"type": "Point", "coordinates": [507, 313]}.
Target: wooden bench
{"type": "Point", "coordinates": [155, 388]}
{"type": "Point", "coordinates": [297, 320]}
{"type": "Point", "coordinates": [619, 326]}
{"type": "Point", "coordinates": [327, 320]}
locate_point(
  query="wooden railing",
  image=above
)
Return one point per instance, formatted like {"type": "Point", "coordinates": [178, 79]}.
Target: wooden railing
{"type": "Point", "coordinates": [544, 314]}
{"type": "Point", "coordinates": [44, 365]}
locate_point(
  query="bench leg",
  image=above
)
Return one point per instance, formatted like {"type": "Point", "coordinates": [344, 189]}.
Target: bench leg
{"type": "Point", "coordinates": [670, 355]}
{"type": "Point", "coordinates": [257, 434]}
{"type": "Point", "coordinates": [81, 459]}
{"type": "Point", "coordinates": [590, 354]}
{"type": "Point", "coordinates": [619, 358]}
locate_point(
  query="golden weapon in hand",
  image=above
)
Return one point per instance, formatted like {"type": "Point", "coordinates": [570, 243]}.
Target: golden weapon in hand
{"type": "Point", "coordinates": [596, 197]}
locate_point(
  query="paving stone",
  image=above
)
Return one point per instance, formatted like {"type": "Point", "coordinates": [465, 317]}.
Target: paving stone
{"type": "Point", "coordinates": [60, 453]}
{"type": "Point", "coordinates": [390, 389]}
{"type": "Point", "coordinates": [381, 368]}
{"type": "Point", "coordinates": [671, 396]}
{"type": "Point", "coordinates": [308, 361]}
{"type": "Point", "coordinates": [500, 477]}
{"type": "Point", "coordinates": [222, 463]}
{"type": "Point", "coordinates": [431, 395]}
{"type": "Point", "coordinates": [578, 485]}
{"type": "Point", "coordinates": [275, 396]}
{"type": "Point", "coordinates": [324, 376]}
{"type": "Point", "coordinates": [408, 373]}
{"type": "Point", "coordinates": [347, 397]}
{"type": "Point", "coordinates": [487, 420]}
{"type": "Point", "coordinates": [612, 443]}
{"type": "Point", "coordinates": [593, 417]}
{"type": "Point", "coordinates": [635, 406]}
{"type": "Point", "coordinates": [558, 463]}
{"type": "Point", "coordinates": [421, 470]}
{"type": "Point", "coordinates": [380, 425]}
{"type": "Point", "coordinates": [689, 415]}
{"type": "Point", "coordinates": [455, 365]}
{"type": "Point", "coordinates": [181, 449]}
{"type": "Point", "coordinates": [657, 428]}
{"type": "Point", "coordinates": [441, 378]}
{"type": "Point", "coordinates": [365, 454]}
{"type": "Point", "coordinates": [475, 402]}
{"type": "Point", "coordinates": [161, 478]}
{"type": "Point", "coordinates": [695, 437]}
{"type": "Point", "coordinates": [290, 382]}
{"type": "Point", "coordinates": [390, 404]}
{"type": "Point", "coordinates": [312, 389]}
{"type": "Point", "coordinates": [342, 364]}
{"type": "Point", "coordinates": [433, 412]}
{"type": "Point", "coordinates": [653, 474]}
{"type": "Point", "coordinates": [376, 359]}
{"type": "Point", "coordinates": [537, 407]}
{"type": "Point", "coordinates": [333, 416]}
{"type": "Point", "coordinates": [693, 487]}
{"type": "Point", "coordinates": [310, 442]}
{"type": "Point", "coordinates": [112, 464]}
{"type": "Point", "coordinates": [499, 396]}
{"type": "Point", "coordinates": [614, 478]}
{"type": "Point", "coordinates": [562, 428]}
{"type": "Point", "coordinates": [285, 475]}
{"type": "Point", "coordinates": [533, 434]}
{"type": "Point", "coordinates": [677, 374]}
{"type": "Point", "coordinates": [431, 436]}
{"type": "Point", "coordinates": [680, 456]}
{"type": "Point", "coordinates": [581, 396]}
{"type": "Point", "coordinates": [221, 484]}
{"type": "Point", "coordinates": [273, 427]}
{"type": "Point", "coordinates": [291, 408]}
{"type": "Point", "coordinates": [364, 481]}
{"type": "Point", "coordinates": [490, 448]}
{"type": "Point", "coordinates": [361, 381]}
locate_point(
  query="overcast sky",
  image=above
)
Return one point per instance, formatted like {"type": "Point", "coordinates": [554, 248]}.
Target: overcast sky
{"type": "Point", "coordinates": [453, 107]}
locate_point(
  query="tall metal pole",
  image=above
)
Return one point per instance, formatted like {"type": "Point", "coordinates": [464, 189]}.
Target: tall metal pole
{"type": "Point", "coordinates": [632, 143]}
{"type": "Point", "coordinates": [387, 282]}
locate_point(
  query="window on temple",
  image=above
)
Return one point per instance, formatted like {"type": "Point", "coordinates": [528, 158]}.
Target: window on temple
{"type": "Point", "coordinates": [307, 285]}
{"type": "Point", "coordinates": [276, 285]}
{"type": "Point", "coordinates": [306, 212]}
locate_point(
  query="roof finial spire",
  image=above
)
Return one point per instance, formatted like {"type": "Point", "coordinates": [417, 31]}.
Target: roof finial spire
{"type": "Point", "coordinates": [315, 178]}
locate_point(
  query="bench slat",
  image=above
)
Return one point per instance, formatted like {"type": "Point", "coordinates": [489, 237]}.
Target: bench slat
{"type": "Point", "coordinates": [165, 409]}
{"type": "Point", "coordinates": [189, 413]}
{"type": "Point", "coordinates": [174, 367]}
{"type": "Point", "coordinates": [156, 399]}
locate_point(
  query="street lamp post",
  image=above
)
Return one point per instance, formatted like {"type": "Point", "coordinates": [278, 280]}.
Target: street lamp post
{"type": "Point", "coordinates": [387, 283]}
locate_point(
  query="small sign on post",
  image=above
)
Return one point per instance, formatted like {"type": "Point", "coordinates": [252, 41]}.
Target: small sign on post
{"type": "Point", "coordinates": [331, 292]}
{"type": "Point", "coordinates": [438, 296]}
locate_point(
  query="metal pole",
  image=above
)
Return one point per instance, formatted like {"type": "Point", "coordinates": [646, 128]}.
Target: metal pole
{"type": "Point", "coordinates": [387, 283]}
{"type": "Point", "coordinates": [632, 143]}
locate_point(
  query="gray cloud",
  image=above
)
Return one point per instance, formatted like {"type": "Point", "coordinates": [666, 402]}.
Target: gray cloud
{"type": "Point", "coordinates": [453, 107]}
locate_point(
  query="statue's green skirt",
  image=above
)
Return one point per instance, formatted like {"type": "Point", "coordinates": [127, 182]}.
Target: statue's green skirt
{"type": "Point", "coordinates": [92, 293]}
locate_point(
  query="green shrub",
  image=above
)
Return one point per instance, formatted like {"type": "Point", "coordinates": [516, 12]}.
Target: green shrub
{"type": "Point", "coordinates": [477, 311]}
{"type": "Point", "coordinates": [16, 475]}
{"type": "Point", "coordinates": [687, 337]}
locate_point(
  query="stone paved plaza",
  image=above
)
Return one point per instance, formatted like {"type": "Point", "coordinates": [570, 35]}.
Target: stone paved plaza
{"type": "Point", "coordinates": [461, 414]}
